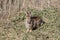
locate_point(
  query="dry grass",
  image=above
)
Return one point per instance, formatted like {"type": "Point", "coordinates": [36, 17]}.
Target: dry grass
{"type": "Point", "coordinates": [14, 29]}
{"type": "Point", "coordinates": [12, 20]}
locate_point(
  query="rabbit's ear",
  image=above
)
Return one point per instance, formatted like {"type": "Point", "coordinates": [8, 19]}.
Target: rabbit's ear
{"type": "Point", "coordinates": [28, 13]}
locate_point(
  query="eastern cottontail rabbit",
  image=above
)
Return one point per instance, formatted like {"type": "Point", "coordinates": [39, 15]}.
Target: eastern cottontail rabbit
{"type": "Point", "coordinates": [31, 21]}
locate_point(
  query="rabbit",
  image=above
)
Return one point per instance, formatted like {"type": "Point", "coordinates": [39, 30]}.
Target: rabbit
{"type": "Point", "coordinates": [31, 21]}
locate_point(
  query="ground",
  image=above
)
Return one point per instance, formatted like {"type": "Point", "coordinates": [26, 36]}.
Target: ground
{"type": "Point", "coordinates": [14, 28]}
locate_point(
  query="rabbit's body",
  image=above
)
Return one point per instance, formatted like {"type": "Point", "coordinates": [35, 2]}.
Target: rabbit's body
{"type": "Point", "coordinates": [31, 21]}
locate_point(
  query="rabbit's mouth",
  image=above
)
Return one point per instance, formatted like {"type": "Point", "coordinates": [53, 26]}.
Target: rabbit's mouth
{"type": "Point", "coordinates": [29, 22]}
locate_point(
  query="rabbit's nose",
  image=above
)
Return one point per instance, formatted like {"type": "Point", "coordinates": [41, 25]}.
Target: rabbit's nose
{"type": "Point", "coordinates": [29, 22]}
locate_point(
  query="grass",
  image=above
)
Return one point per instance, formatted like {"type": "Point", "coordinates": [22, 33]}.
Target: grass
{"type": "Point", "coordinates": [15, 28]}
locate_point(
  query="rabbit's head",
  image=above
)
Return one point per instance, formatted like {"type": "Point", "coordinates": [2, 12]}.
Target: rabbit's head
{"type": "Point", "coordinates": [28, 14]}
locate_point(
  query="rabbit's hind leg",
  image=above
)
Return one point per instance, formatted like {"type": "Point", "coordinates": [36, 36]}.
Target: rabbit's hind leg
{"type": "Point", "coordinates": [30, 30]}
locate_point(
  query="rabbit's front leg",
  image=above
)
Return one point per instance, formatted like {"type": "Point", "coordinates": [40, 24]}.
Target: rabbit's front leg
{"type": "Point", "coordinates": [27, 31]}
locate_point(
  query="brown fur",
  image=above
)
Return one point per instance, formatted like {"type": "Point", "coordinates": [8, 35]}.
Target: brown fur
{"type": "Point", "coordinates": [31, 21]}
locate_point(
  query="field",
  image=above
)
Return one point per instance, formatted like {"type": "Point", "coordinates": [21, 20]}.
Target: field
{"type": "Point", "coordinates": [14, 29]}
{"type": "Point", "coordinates": [12, 25]}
